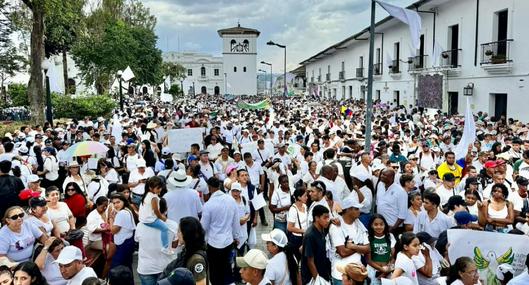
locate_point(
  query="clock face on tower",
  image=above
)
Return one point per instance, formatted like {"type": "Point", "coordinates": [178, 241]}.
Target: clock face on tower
{"type": "Point", "coordinates": [241, 47]}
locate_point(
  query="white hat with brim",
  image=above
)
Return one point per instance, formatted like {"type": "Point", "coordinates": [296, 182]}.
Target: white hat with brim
{"type": "Point", "coordinates": [351, 202]}
{"type": "Point", "coordinates": [179, 178]}
{"type": "Point", "coordinates": [69, 254]}
{"type": "Point", "coordinates": [254, 258]}
{"type": "Point", "coordinates": [276, 236]}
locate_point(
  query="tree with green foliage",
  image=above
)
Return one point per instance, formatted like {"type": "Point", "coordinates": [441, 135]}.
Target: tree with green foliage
{"type": "Point", "coordinates": [64, 20]}
{"type": "Point", "coordinates": [78, 107]}
{"type": "Point", "coordinates": [174, 71]}
{"type": "Point", "coordinates": [120, 46]}
{"type": "Point", "coordinates": [17, 95]}
{"type": "Point", "coordinates": [175, 90]}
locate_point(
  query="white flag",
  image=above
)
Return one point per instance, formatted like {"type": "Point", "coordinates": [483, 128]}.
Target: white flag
{"type": "Point", "coordinates": [127, 74]}
{"type": "Point", "coordinates": [409, 17]}
{"type": "Point", "coordinates": [389, 60]}
{"type": "Point", "coordinates": [469, 133]}
{"type": "Point", "coordinates": [436, 54]}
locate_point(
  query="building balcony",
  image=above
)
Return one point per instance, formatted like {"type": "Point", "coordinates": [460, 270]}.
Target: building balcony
{"type": "Point", "coordinates": [496, 57]}
{"type": "Point", "coordinates": [360, 72]}
{"type": "Point", "coordinates": [328, 77]}
{"type": "Point", "coordinates": [417, 63]}
{"type": "Point", "coordinates": [341, 75]}
{"type": "Point", "coordinates": [451, 58]}
{"type": "Point", "coordinates": [377, 69]}
{"type": "Point", "coordinates": [394, 68]}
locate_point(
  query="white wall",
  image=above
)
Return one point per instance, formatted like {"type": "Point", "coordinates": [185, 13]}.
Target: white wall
{"type": "Point", "coordinates": [511, 81]}
{"type": "Point", "coordinates": [240, 82]}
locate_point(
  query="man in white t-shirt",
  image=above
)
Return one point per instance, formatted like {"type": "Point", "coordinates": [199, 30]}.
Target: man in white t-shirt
{"type": "Point", "coordinates": [137, 180]}
{"type": "Point", "coordinates": [71, 265]}
{"type": "Point", "coordinates": [349, 240]}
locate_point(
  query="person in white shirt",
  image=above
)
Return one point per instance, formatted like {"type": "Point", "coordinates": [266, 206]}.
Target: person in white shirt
{"type": "Point", "coordinates": [214, 149]}
{"type": "Point", "coordinates": [392, 200]}
{"type": "Point", "coordinates": [349, 240]}
{"type": "Point", "coordinates": [181, 200]}
{"type": "Point", "coordinates": [72, 268]}
{"type": "Point", "coordinates": [96, 223]}
{"type": "Point", "coordinates": [447, 189]}
{"type": "Point", "coordinates": [220, 220]}
{"type": "Point", "coordinates": [51, 168]}
{"type": "Point", "coordinates": [431, 220]}
{"type": "Point", "coordinates": [207, 168]}
{"type": "Point", "coordinates": [137, 180]}
{"type": "Point", "coordinates": [279, 268]}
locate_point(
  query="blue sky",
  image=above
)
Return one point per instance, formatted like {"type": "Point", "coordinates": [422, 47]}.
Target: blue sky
{"type": "Point", "coordinates": [306, 27]}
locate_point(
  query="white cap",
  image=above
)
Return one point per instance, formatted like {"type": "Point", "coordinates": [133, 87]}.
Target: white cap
{"type": "Point", "coordinates": [351, 202]}
{"type": "Point", "coordinates": [33, 178]}
{"type": "Point", "coordinates": [141, 163]}
{"type": "Point", "coordinates": [69, 254]}
{"type": "Point", "coordinates": [277, 236]}
{"type": "Point", "coordinates": [166, 151]}
{"type": "Point", "coordinates": [236, 186]}
{"type": "Point", "coordinates": [254, 258]}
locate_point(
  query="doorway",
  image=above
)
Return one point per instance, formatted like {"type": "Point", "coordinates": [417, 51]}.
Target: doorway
{"type": "Point", "coordinates": [216, 90]}
{"type": "Point", "coordinates": [396, 98]}
{"type": "Point", "coordinates": [453, 103]}
{"type": "Point", "coordinates": [454, 45]}
{"type": "Point", "coordinates": [502, 32]}
{"type": "Point", "coordinates": [500, 105]}
{"type": "Point", "coordinates": [203, 90]}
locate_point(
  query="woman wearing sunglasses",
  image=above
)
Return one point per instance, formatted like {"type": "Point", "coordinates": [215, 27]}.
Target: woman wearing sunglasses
{"type": "Point", "coordinates": [17, 237]}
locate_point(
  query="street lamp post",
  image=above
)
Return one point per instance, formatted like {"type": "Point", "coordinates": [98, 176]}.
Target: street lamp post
{"type": "Point", "coordinates": [182, 87]}
{"type": "Point", "coordinates": [263, 71]}
{"type": "Point", "coordinates": [193, 88]}
{"type": "Point", "coordinates": [225, 83]}
{"type": "Point", "coordinates": [119, 74]}
{"type": "Point", "coordinates": [271, 75]}
{"type": "Point", "coordinates": [271, 43]}
{"type": "Point", "coordinates": [49, 113]}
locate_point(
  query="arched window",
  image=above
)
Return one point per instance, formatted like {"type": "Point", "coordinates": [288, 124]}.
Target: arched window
{"type": "Point", "coordinates": [244, 69]}
{"type": "Point", "coordinates": [202, 71]}
{"type": "Point", "coordinates": [235, 69]}
{"type": "Point", "coordinates": [246, 45]}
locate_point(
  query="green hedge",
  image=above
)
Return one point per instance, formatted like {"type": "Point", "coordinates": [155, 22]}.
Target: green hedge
{"type": "Point", "coordinates": [78, 107]}
{"type": "Point", "coordinates": [17, 93]}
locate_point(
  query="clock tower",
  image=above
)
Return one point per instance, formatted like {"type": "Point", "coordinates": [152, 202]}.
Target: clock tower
{"type": "Point", "coordinates": [239, 52]}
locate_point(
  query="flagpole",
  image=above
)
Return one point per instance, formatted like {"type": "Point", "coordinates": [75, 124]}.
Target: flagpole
{"type": "Point", "coordinates": [369, 105]}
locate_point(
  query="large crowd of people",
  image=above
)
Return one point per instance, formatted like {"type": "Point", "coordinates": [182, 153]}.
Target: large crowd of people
{"type": "Point", "coordinates": [337, 214]}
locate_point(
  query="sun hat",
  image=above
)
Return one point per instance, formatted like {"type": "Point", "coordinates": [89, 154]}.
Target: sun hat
{"type": "Point", "coordinates": [179, 178]}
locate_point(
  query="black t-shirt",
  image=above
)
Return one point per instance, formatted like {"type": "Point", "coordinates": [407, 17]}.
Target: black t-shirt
{"type": "Point", "coordinates": [10, 187]}
{"type": "Point", "coordinates": [314, 246]}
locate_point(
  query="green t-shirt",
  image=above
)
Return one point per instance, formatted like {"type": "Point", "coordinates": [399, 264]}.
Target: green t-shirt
{"type": "Point", "coordinates": [380, 249]}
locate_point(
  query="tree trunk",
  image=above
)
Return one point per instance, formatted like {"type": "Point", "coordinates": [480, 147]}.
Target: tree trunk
{"type": "Point", "coordinates": [35, 89]}
{"type": "Point", "coordinates": [65, 72]}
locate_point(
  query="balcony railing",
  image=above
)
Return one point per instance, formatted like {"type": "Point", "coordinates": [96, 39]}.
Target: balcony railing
{"type": "Point", "coordinates": [417, 62]}
{"type": "Point", "coordinates": [451, 58]}
{"type": "Point", "coordinates": [496, 52]}
{"type": "Point", "coordinates": [319, 78]}
{"type": "Point", "coordinates": [377, 69]}
{"type": "Point", "coordinates": [328, 77]}
{"type": "Point", "coordinates": [395, 66]}
{"type": "Point", "coordinates": [341, 75]}
{"type": "Point", "coordinates": [360, 72]}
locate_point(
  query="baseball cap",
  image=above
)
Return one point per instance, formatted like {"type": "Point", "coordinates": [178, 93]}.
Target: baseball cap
{"type": "Point", "coordinates": [236, 187]}
{"type": "Point", "coordinates": [277, 236]}
{"type": "Point", "coordinates": [464, 217]}
{"type": "Point", "coordinates": [166, 151]}
{"type": "Point", "coordinates": [191, 158]}
{"type": "Point", "coordinates": [490, 164]}
{"type": "Point", "coordinates": [69, 254]}
{"type": "Point", "coordinates": [351, 202]}
{"type": "Point", "coordinates": [359, 174]}
{"type": "Point", "coordinates": [179, 276]}
{"type": "Point", "coordinates": [33, 178]}
{"type": "Point", "coordinates": [49, 149]}
{"type": "Point", "coordinates": [202, 152]}
{"type": "Point", "coordinates": [254, 258]}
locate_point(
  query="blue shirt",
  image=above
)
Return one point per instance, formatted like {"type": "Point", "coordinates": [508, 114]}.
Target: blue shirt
{"type": "Point", "coordinates": [220, 220]}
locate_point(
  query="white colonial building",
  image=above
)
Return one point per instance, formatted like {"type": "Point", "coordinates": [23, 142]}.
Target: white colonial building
{"type": "Point", "coordinates": [203, 72]}
{"type": "Point", "coordinates": [480, 45]}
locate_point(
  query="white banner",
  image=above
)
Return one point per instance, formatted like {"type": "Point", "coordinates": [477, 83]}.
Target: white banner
{"type": "Point", "coordinates": [180, 140]}
{"type": "Point", "coordinates": [489, 250]}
